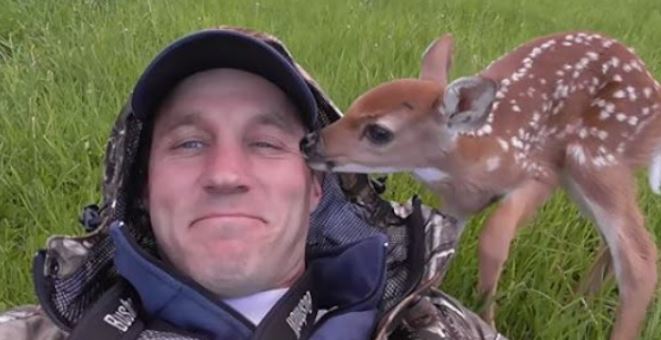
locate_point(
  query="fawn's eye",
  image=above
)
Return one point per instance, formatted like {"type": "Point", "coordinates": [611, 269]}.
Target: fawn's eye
{"type": "Point", "coordinates": [377, 134]}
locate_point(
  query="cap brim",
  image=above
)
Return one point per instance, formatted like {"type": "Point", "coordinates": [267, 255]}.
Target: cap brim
{"type": "Point", "coordinates": [220, 49]}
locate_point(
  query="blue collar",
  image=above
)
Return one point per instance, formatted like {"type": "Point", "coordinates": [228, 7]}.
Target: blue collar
{"type": "Point", "coordinates": [348, 279]}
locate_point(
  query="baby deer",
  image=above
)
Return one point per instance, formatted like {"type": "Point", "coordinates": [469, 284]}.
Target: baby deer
{"type": "Point", "coordinates": [577, 110]}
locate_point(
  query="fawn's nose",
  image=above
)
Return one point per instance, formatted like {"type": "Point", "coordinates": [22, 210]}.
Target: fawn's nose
{"type": "Point", "coordinates": [309, 144]}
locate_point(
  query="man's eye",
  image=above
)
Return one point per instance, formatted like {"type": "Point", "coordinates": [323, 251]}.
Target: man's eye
{"type": "Point", "coordinates": [265, 145]}
{"type": "Point", "coordinates": [190, 144]}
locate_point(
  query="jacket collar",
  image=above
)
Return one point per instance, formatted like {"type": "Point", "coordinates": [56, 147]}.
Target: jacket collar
{"type": "Point", "coordinates": [348, 279]}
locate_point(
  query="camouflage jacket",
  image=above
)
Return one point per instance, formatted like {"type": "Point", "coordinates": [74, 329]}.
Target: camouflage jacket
{"type": "Point", "coordinates": [72, 273]}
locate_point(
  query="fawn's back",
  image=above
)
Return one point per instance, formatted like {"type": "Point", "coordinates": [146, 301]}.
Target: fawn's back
{"type": "Point", "coordinates": [581, 95]}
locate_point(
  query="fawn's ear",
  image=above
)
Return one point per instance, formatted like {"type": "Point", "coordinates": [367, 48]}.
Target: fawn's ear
{"type": "Point", "coordinates": [437, 59]}
{"type": "Point", "coordinates": [467, 102]}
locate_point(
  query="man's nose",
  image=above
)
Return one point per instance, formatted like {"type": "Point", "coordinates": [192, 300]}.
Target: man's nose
{"type": "Point", "coordinates": [309, 144]}
{"type": "Point", "coordinates": [226, 171]}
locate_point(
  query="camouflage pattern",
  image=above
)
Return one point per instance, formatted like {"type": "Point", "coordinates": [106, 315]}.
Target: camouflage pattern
{"type": "Point", "coordinates": [422, 312]}
{"type": "Point", "coordinates": [28, 322]}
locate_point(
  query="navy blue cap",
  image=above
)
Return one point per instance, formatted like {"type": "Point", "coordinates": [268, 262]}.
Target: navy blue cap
{"type": "Point", "coordinates": [210, 49]}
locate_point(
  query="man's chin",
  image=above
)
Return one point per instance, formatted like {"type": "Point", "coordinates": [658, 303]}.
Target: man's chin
{"type": "Point", "coordinates": [228, 275]}
{"type": "Point", "coordinates": [221, 247]}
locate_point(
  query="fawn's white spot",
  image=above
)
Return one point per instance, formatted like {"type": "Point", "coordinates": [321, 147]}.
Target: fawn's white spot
{"type": "Point", "coordinates": [647, 92]}
{"type": "Point", "coordinates": [615, 61]}
{"type": "Point", "coordinates": [503, 144]}
{"type": "Point", "coordinates": [484, 130]}
{"type": "Point", "coordinates": [636, 66]}
{"type": "Point", "coordinates": [536, 116]}
{"type": "Point", "coordinates": [583, 133]}
{"type": "Point", "coordinates": [610, 158]}
{"type": "Point", "coordinates": [598, 161]}
{"type": "Point", "coordinates": [516, 143]}
{"type": "Point", "coordinates": [610, 107]}
{"type": "Point", "coordinates": [620, 147]}
{"type": "Point", "coordinates": [619, 94]}
{"type": "Point", "coordinates": [493, 163]}
{"type": "Point", "coordinates": [598, 102]}
{"type": "Point", "coordinates": [604, 68]}
{"type": "Point", "coordinates": [632, 93]}
{"type": "Point", "coordinates": [577, 152]}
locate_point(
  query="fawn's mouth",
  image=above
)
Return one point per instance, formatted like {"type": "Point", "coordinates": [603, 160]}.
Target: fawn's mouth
{"type": "Point", "coordinates": [314, 157]}
{"type": "Point", "coordinates": [320, 164]}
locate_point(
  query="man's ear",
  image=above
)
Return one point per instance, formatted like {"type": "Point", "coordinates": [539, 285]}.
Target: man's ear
{"type": "Point", "coordinates": [315, 196]}
{"type": "Point", "coordinates": [467, 102]}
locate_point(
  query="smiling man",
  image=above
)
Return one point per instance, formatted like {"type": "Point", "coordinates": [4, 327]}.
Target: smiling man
{"type": "Point", "coordinates": [213, 227]}
{"type": "Point", "coordinates": [229, 194]}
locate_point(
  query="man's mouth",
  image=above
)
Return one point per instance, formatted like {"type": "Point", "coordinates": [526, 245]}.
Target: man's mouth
{"type": "Point", "coordinates": [228, 216]}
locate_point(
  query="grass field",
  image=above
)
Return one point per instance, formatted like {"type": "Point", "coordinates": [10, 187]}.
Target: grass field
{"type": "Point", "coordinates": [67, 66]}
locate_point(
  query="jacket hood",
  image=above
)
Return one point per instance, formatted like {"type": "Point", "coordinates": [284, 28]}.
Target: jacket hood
{"type": "Point", "coordinates": [73, 271]}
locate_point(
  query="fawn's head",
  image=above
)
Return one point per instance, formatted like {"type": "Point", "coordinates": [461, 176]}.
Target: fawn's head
{"type": "Point", "coordinates": [403, 124]}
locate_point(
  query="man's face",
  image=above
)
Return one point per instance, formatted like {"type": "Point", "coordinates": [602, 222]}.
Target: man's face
{"type": "Point", "coordinates": [229, 194]}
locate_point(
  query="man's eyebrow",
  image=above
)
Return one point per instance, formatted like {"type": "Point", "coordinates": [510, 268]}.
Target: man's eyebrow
{"type": "Point", "coordinates": [277, 119]}
{"type": "Point", "coordinates": [179, 120]}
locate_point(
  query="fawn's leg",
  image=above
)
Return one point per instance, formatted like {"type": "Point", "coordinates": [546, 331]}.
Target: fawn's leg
{"type": "Point", "coordinates": [600, 271]}
{"type": "Point", "coordinates": [607, 194]}
{"type": "Point", "coordinates": [497, 234]}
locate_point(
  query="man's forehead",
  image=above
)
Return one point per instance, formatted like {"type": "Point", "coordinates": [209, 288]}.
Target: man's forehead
{"type": "Point", "coordinates": [237, 87]}
{"type": "Point", "coordinates": [283, 120]}
{"type": "Point", "coordinates": [227, 80]}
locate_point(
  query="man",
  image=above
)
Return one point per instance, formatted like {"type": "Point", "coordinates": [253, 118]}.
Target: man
{"type": "Point", "coordinates": [212, 226]}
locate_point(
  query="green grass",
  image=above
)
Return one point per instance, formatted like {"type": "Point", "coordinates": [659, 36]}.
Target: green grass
{"type": "Point", "coordinates": [67, 66]}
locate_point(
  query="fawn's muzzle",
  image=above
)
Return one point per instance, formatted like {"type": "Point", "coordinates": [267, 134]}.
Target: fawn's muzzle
{"type": "Point", "coordinates": [312, 149]}
{"type": "Point", "coordinates": [309, 146]}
